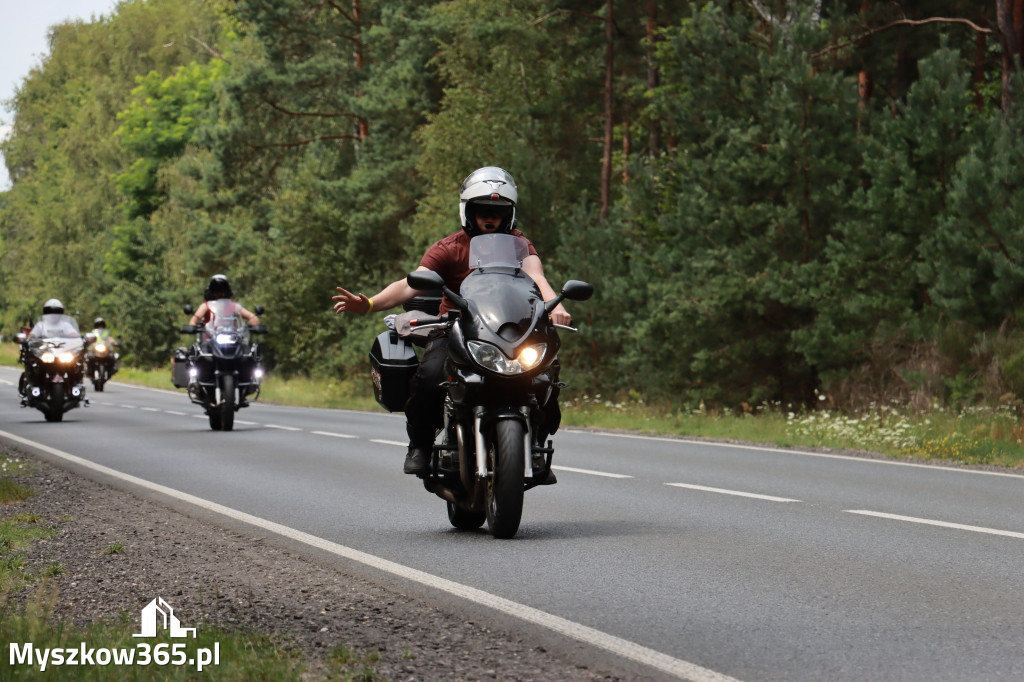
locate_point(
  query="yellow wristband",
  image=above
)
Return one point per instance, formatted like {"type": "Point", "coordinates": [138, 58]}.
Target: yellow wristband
{"type": "Point", "coordinates": [368, 310]}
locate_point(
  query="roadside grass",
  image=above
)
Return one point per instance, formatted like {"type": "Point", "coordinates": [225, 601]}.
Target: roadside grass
{"type": "Point", "coordinates": [977, 435]}
{"type": "Point", "coordinates": [17, 532]}
{"type": "Point", "coordinates": [112, 548]}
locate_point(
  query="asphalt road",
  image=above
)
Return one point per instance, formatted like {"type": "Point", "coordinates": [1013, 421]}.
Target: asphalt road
{"type": "Point", "coordinates": [751, 563]}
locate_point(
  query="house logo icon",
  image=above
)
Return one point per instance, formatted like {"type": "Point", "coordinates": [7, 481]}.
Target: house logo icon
{"type": "Point", "coordinates": [158, 611]}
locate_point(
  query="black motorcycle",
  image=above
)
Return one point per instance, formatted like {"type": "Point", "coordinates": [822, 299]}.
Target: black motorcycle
{"type": "Point", "coordinates": [101, 360]}
{"type": "Point", "coordinates": [502, 368]}
{"type": "Point", "coordinates": [222, 370]}
{"type": "Point", "coordinates": [54, 360]}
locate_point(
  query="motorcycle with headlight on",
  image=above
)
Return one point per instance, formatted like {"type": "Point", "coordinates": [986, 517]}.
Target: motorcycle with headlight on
{"type": "Point", "coordinates": [222, 370]}
{"type": "Point", "coordinates": [101, 360]}
{"type": "Point", "coordinates": [54, 360]}
{"type": "Point", "coordinates": [502, 370]}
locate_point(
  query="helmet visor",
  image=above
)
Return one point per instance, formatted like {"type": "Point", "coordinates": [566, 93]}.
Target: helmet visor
{"type": "Point", "coordinates": [489, 209]}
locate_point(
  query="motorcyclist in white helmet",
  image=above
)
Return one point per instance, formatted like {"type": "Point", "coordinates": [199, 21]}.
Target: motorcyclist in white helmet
{"type": "Point", "coordinates": [54, 323]}
{"type": "Point", "coordinates": [487, 204]}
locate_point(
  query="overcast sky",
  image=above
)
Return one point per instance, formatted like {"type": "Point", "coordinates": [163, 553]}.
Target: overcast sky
{"type": "Point", "coordinates": [23, 28]}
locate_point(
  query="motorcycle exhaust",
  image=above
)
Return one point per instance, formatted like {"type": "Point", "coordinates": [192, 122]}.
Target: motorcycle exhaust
{"type": "Point", "coordinates": [440, 490]}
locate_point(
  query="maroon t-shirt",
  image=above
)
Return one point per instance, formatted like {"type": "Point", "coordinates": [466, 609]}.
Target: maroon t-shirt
{"type": "Point", "coordinates": [449, 258]}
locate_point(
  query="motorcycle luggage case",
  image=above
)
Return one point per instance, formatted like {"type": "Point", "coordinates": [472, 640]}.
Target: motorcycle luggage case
{"type": "Point", "coordinates": [393, 361]}
{"type": "Point", "coordinates": [179, 368]}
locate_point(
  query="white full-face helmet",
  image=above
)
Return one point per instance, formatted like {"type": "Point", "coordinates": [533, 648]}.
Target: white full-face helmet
{"type": "Point", "coordinates": [488, 190]}
{"type": "Point", "coordinates": [53, 307]}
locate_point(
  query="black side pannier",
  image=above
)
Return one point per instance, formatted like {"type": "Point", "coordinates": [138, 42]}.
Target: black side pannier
{"type": "Point", "coordinates": [393, 361]}
{"type": "Point", "coordinates": [179, 368]}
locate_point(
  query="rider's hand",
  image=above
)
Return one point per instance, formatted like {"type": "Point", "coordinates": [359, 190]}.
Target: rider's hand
{"type": "Point", "coordinates": [352, 303]}
{"type": "Point", "coordinates": [561, 316]}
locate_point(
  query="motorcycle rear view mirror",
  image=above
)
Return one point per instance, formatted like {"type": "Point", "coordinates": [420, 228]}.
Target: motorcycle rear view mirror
{"type": "Point", "coordinates": [20, 337]}
{"type": "Point", "coordinates": [259, 310]}
{"type": "Point", "coordinates": [575, 290]}
{"type": "Point", "coordinates": [188, 309]}
{"type": "Point", "coordinates": [425, 280]}
{"type": "Point", "coordinates": [90, 338]}
{"type": "Point", "coordinates": [428, 280]}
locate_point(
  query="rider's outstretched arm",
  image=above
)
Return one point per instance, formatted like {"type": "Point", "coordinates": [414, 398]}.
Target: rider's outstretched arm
{"type": "Point", "coordinates": [394, 294]}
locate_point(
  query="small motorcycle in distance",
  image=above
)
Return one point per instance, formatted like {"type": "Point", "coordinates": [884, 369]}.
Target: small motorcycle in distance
{"type": "Point", "coordinates": [222, 369]}
{"type": "Point", "coordinates": [502, 371]}
{"type": "Point", "coordinates": [53, 380]}
{"type": "Point", "coordinates": [101, 360]}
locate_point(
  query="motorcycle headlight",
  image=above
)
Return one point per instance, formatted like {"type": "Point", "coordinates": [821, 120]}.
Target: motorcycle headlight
{"type": "Point", "coordinates": [47, 357]}
{"type": "Point", "coordinates": [226, 339]}
{"type": "Point", "coordinates": [491, 358]}
{"type": "Point", "coordinates": [531, 356]}
{"type": "Point", "coordinates": [100, 347]}
{"type": "Point", "coordinates": [66, 358]}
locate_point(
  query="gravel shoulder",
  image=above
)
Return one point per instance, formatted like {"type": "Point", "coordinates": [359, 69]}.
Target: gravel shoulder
{"type": "Point", "coordinates": [216, 574]}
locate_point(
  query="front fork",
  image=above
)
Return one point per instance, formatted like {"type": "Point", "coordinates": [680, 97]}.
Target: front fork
{"type": "Point", "coordinates": [523, 415]}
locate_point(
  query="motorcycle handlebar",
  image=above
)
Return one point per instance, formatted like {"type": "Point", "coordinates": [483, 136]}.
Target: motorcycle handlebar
{"type": "Point", "coordinates": [194, 329]}
{"type": "Point", "coordinates": [427, 321]}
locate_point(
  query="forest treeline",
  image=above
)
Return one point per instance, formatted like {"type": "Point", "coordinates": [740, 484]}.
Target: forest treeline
{"type": "Point", "coordinates": [776, 200]}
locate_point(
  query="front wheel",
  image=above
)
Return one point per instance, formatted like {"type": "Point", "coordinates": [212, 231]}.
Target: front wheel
{"type": "Point", "coordinates": [505, 487]}
{"type": "Point", "coordinates": [227, 402]}
{"type": "Point", "coordinates": [56, 411]}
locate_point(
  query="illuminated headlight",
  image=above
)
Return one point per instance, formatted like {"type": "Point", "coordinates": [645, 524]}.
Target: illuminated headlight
{"type": "Point", "coordinates": [491, 358]}
{"type": "Point", "coordinates": [66, 358]}
{"type": "Point", "coordinates": [193, 372]}
{"type": "Point", "coordinates": [47, 357]}
{"type": "Point", "coordinates": [100, 347]}
{"type": "Point", "coordinates": [258, 373]}
{"type": "Point", "coordinates": [531, 356]}
{"type": "Point", "coordinates": [226, 339]}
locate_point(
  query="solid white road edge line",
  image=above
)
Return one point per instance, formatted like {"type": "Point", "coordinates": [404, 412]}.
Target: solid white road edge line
{"type": "Point", "coordinates": [388, 442]}
{"type": "Point", "coordinates": [616, 645]}
{"type": "Point", "coordinates": [942, 524]}
{"type": "Point", "coordinates": [588, 471]}
{"type": "Point", "coordinates": [737, 493]}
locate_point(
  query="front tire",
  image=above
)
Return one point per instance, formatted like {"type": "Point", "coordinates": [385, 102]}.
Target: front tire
{"type": "Point", "coordinates": [101, 379]}
{"type": "Point", "coordinates": [227, 402]}
{"type": "Point", "coordinates": [505, 487]}
{"type": "Point", "coordinates": [56, 411]}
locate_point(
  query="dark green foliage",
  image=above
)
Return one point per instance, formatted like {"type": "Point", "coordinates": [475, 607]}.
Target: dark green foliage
{"type": "Point", "coordinates": [771, 231]}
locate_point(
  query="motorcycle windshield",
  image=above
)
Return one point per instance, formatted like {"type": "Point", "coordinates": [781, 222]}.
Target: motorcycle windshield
{"type": "Point", "coordinates": [501, 301]}
{"type": "Point", "coordinates": [497, 250]}
{"type": "Point", "coordinates": [56, 326]}
{"type": "Point", "coordinates": [225, 319]}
